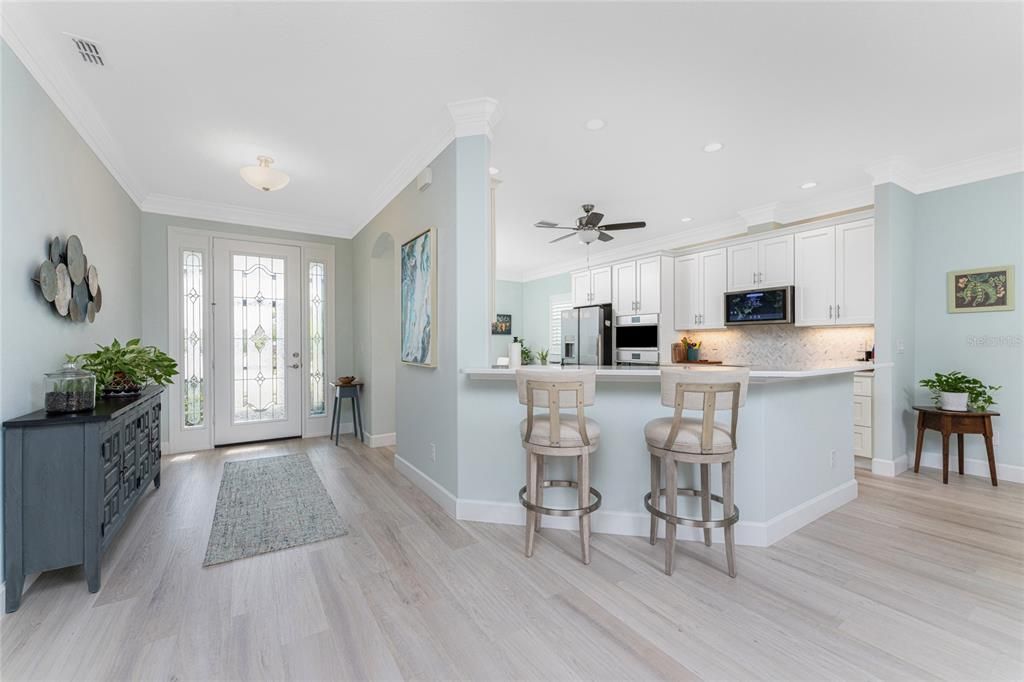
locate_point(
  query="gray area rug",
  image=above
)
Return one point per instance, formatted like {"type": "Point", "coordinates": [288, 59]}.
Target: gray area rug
{"type": "Point", "coordinates": [269, 504]}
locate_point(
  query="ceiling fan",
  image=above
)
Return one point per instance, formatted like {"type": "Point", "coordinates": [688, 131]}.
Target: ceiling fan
{"type": "Point", "coordinates": [589, 227]}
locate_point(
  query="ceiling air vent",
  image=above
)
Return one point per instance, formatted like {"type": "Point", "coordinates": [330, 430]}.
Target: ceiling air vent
{"type": "Point", "coordinates": [88, 51]}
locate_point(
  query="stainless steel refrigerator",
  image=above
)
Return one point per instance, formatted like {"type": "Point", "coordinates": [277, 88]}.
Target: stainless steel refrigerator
{"type": "Point", "coordinates": [587, 335]}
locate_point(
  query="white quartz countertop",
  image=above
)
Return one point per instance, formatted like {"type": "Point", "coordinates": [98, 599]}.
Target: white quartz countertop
{"type": "Point", "coordinates": [652, 373]}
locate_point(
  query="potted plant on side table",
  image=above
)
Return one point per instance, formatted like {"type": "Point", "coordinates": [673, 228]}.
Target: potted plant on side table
{"type": "Point", "coordinates": [124, 370]}
{"type": "Point", "coordinates": [957, 392]}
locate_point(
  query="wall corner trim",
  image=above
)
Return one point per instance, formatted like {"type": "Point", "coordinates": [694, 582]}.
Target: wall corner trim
{"type": "Point", "coordinates": [889, 467]}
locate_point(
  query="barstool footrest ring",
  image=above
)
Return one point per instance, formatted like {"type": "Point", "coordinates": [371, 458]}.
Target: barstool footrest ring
{"type": "Point", "coordinates": [552, 511]}
{"type": "Point", "coordinates": [693, 523]}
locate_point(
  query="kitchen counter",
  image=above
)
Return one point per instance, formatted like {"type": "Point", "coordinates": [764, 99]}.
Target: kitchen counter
{"type": "Point", "coordinates": [652, 373]}
{"type": "Point", "coordinates": [794, 459]}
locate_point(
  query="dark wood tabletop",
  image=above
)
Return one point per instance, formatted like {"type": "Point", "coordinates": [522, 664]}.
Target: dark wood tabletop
{"type": "Point", "coordinates": [969, 413]}
{"type": "Point", "coordinates": [948, 422]}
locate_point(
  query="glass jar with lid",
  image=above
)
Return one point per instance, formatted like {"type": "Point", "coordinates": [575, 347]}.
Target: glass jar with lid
{"type": "Point", "coordinates": [69, 390]}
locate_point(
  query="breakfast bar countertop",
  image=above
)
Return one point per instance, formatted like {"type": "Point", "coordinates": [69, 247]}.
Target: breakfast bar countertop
{"type": "Point", "coordinates": [651, 373]}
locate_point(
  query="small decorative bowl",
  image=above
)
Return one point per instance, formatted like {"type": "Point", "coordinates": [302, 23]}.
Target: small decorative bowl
{"type": "Point", "coordinates": [346, 380]}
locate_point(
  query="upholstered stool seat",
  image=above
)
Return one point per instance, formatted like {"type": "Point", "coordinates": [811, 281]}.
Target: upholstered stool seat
{"type": "Point", "coordinates": [687, 439]}
{"type": "Point", "coordinates": [558, 433]}
{"type": "Point", "coordinates": [570, 432]}
{"type": "Point", "coordinates": [679, 439]}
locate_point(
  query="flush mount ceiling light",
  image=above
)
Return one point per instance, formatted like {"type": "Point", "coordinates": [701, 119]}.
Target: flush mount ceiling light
{"type": "Point", "coordinates": [809, 185]}
{"type": "Point", "coordinates": [713, 147]}
{"type": "Point", "coordinates": [594, 124]}
{"type": "Point", "coordinates": [493, 171]}
{"type": "Point", "coordinates": [263, 177]}
{"type": "Point", "coordinates": [685, 220]}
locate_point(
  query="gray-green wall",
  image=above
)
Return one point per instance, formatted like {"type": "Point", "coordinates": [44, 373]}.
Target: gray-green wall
{"type": "Point", "coordinates": [537, 307]}
{"type": "Point", "coordinates": [53, 184]}
{"type": "Point", "coordinates": [972, 226]}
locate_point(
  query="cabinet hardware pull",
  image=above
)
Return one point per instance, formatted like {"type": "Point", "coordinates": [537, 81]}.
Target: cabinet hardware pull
{"type": "Point", "coordinates": [830, 311]}
{"type": "Point", "coordinates": [837, 311]}
{"type": "Point", "coordinates": [753, 278]}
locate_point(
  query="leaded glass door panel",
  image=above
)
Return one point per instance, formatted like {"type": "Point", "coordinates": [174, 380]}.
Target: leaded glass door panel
{"type": "Point", "coordinates": [258, 347]}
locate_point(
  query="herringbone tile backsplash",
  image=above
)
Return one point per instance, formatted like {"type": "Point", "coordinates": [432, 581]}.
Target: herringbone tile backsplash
{"type": "Point", "coordinates": [785, 345]}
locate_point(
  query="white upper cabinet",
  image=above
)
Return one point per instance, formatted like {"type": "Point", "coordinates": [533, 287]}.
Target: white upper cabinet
{"type": "Point", "coordinates": [713, 281]}
{"type": "Point", "coordinates": [855, 273]}
{"type": "Point", "coordinates": [700, 285]}
{"type": "Point", "coordinates": [761, 263]}
{"type": "Point", "coordinates": [835, 275]}
{"type": "Point", "coordinates": [636, 287]}
{"type": "Point", "coordinates": [775, 261]}
{"type": "Point", "coordinates": [592, 287]}
{"type": "Point", "coordinates": [743, 266]}
{"type": "Point", "coordinates": [601, 285]}
{"type": "Point", "coordinates": [624, 288]}
{"type": "Point", "coordinates": [648, 285]}
{"type": "Point", "coordinates": [581, 288]}
{"type": "Point", "coordinates": [687, 290]}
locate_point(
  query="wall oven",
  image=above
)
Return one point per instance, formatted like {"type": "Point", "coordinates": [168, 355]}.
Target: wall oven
{"type": "Point", "coordinates": [636, 340]}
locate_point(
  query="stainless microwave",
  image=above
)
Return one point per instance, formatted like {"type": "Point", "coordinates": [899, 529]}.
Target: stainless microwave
{"type": "Point", "coordinates": [759, 306]}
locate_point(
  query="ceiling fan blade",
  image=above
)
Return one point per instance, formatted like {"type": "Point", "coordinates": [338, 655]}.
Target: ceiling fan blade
{"type": "Point", "coordinates": [564, 236]}
{"type": "Point", "coordinates": [604, 237]}
{"type": "Point", "coordinates": [593, 219]}
{"type": "Point", "coordinates": [545, 223]}
{"type": "Point", "coordinates": [624, 226]}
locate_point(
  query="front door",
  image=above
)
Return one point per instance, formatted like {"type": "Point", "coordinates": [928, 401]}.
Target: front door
{"type": "Point", "coordinates": [258, 341]}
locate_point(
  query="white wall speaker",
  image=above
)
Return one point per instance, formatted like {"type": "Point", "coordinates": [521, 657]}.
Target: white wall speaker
{"type": "Point", "coordinates": [424, 179]}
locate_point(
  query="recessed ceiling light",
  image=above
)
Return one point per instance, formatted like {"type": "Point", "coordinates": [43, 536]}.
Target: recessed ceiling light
{"type": "Point", "coordinates": [713, 147]}
{"type": "Point", "coordinates": [493, 171]}
{"type": "Point", "coordinates": [809, 185]}
{"type": "Point", "coordinates": [594, 124]}
{"type": "Point", "coordinates": [685, 220]}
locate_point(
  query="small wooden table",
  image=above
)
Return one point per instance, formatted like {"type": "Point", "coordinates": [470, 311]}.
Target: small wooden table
{"type": "Point", "coordinates": [946, 422]}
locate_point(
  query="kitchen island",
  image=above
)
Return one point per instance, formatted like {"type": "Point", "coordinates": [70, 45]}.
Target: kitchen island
{"type": "Point", "coordinates": [794, 459]}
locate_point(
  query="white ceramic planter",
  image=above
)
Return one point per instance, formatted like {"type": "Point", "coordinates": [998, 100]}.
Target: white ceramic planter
{"type": "Point", "coordinates": [954, 402]}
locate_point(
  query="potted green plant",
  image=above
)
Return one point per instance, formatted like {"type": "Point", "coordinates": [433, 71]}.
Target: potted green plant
{"type": "Point", "coordinates": [542, 355]}
{"type": "Point", "coordinates": [957, 392]}
{"type": "Point", "coordinates": [527, 353]}
{"type": "Point", "coordinates": [126, 369]}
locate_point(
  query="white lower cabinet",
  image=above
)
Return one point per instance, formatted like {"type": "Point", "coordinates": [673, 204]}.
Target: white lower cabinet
{"type": "Point", "coordinates": [700, 284]}
{"type": "Point", "coordinates": [862, 433]}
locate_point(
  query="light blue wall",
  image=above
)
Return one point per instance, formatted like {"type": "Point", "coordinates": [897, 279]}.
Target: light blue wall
{"type": "Point", "coordinates": [537, 307]}
{"type": "Point", "coordinates": [895, 227]}
{"type": "Point", "coordinates": [976, 225]}
{"type": "Point", "coordinates": [508, 299]}
{"type": "Point", "coordinates": [55, 185]}
{"type": "Point", "coordinates": [419, 405]}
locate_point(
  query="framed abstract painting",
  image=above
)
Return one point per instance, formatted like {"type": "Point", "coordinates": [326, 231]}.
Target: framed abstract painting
{"type": "Point", "coordinates": [419, 299]}
{"type": "Point", "coordinates": [981, 290]}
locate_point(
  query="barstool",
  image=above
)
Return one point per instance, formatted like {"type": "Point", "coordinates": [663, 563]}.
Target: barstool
{"type": "Point", "coordinates": [675, 439]}
{"type": "Point", "coordinates": [558, 434]}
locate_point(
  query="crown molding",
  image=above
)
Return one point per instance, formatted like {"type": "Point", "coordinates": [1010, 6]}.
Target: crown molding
{"type": "Point", "coordinates": [759, 215]}
{"type": "Point", "coordinates": [240, 215]}
{"type": "Point", "coordinates": [476, 116]}
{"type": "Point", "coordinates": [903, 172]}
{"type": "Point", "coordinates": [76, 109]}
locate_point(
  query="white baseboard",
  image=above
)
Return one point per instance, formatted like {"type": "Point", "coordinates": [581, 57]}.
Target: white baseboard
{"type": "Point", "coordinates": [889, 467]}
{"type": "Point", "coordinates": [379, 440]}
{"type": "Point", "coordinates": [973, 467]}
{"type": "Point", "coordinates": [753, 533]}
{"type": "Point", "coordinates": [433, 489]}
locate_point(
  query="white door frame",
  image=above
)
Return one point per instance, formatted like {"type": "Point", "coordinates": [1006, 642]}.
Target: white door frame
{"type": "Point", "coordinates": [180, 239]}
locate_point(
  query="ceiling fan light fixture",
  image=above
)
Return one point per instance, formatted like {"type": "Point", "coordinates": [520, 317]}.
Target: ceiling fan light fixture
{"type": "Point", "coordinates": [594, 124]}
{"type": "Point", "coordinates": [263, 177]}
{"type": "Point", "coordinates": [712, 147]}
{"type": "Point", "coordinates": [588, 236]}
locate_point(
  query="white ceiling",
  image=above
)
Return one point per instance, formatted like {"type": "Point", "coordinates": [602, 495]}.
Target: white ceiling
{"type": "Point", "coordinates": [344, 95]}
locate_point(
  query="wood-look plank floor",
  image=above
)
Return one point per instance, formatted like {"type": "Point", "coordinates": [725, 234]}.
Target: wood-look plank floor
{"type": "Point", "coordinates": [912, 580]}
